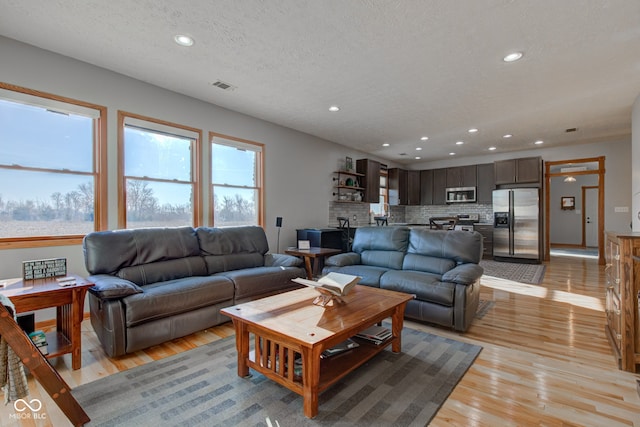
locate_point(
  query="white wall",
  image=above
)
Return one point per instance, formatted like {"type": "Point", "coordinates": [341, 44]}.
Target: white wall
{"type": "Point", "coordinates": [565, 225]}
{"type": "Point", "coordinates": [618, 169]}
{"type": "Point", "coordinates": [298, 166]}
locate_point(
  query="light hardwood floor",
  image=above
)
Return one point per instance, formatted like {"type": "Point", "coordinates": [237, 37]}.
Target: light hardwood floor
{"type": "Point", "coordinates": [545, 358]}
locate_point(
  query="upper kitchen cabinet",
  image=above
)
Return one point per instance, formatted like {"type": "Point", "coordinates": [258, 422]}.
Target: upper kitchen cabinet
{"type": "Point", "coordinates": [462, 176]}
{"type": "Point", "coordinates": [439, 186]}
{"type": "Point", "coordinates": [486, 183]}
{"type": "Point", "coordinates": [526, 170]}
{"type": "Point", "coordinates": [413, 187]}
{"type": "Point", "coordinates": [426, 187]}
{"type": "Point", "coordinates": [371, 171]}
{"type": "Point", "coordinates": [404, 187]}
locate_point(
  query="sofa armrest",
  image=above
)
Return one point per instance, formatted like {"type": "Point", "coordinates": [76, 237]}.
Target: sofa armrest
{"type": "Point", "coordinates": [340, 260]}
{"type": "Point", "coordinates": [106, 286]}
{"type": "Point", "coordinates": [281, 260]}
{"type": "Point", "coordinates": [463, 274]}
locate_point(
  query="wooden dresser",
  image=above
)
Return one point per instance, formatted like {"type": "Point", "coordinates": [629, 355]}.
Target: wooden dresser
{"type": "Point", "coordinates": [622, 253]}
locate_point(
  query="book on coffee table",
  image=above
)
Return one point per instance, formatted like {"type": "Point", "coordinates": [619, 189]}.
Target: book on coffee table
{"type": "Point", "coordinates": [346, 345]}
{"type": "Point", "coordinates": [375, 334]}
{"type": "Point", "coordinates": [338, 284]}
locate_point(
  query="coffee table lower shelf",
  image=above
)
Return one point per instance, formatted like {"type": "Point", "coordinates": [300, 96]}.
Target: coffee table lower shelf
{"type": "Point", "coordinates": [332, 369]}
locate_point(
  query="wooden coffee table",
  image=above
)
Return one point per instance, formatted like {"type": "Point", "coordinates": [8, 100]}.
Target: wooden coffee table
{"type": "Point", "coordinates": [287, 326]}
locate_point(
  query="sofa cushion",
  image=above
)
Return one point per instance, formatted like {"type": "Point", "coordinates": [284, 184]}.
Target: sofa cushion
{"type": "Point", "coordinates": [106, 252]}
{"type": "Point", "coordinates": [106, 286]}
{"type": "Point", "coordinates": [457, 245]}
{"type": "Point", "coordinates": [425, 286]}
{"type": "Point", "coordinates": [232, 248]}
{"type": "Point", "coordinates": [427, 264]}
{"type": "Point", "coordinates": [164, 299]}
{"type": "Point", "coordinates": [369, 275]}
{"type": "Point", "coordinates": [381, 239]}
{"type": "Point", "coordinates": [163, 271]}
{"type": "Point", "coordinates": [251, 282]}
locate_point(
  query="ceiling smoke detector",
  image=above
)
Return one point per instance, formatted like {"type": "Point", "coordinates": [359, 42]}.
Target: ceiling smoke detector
{"type": "Point", "coordinates": [224, 86]}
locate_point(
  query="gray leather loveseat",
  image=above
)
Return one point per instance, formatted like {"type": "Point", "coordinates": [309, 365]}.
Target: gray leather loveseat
{"type": "Point", "coordinates": [156, 284]}
{"type": "Point", "coordinates": [439, 267]}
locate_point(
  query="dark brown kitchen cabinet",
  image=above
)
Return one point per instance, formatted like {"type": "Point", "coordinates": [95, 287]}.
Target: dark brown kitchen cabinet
{"type": "Point", "coordinates": [461, 176]}
{"type": "Point", "coordinates": [413, 188]}
{"type": "Point", "coordinates": [439, 186]}
{"type": "Point", "coordinates": [371, 170]}
{"type": "Point", "coordinates": [486, 183]}
{"type": "Point", "coordinates": [404, 187]}
{"type": "Point", "coordinates": [426, 187]}
{"type": "Point", "coordinates": [527, 170]}
{"type": "Point", "coordinates": [486, 230]}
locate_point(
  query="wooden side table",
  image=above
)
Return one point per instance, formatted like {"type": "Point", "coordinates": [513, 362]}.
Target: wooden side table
{"type": "Point", "coordinates": [317, 254]}
{"type": "Point", "coordinates": [39, 294]}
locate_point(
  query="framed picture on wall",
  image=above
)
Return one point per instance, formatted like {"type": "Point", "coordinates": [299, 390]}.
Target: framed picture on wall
{"type": "Point", "coordinates": [568, 202]}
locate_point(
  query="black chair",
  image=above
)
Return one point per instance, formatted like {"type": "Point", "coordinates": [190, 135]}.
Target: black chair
{"type": "Point", "coordinates": [343, 224]}
{"type": "Point", "coordinates": [381, 220]}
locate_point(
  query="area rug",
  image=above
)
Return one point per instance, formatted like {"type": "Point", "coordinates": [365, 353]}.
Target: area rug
{"type": "Point", "coordinates": [201, 387]}
{"type": "Point", "coordinates": [523, 273]}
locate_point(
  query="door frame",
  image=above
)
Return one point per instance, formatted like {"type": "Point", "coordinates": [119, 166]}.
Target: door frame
{"type": "Point", "coordinates": [584, 212]}
{"type": "Point", "coordinates": [547, 193]}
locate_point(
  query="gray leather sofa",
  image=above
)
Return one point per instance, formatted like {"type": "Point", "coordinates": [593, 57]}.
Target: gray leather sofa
{"type": "Point", "coordinates": [440, 268]}
{"type": "Point", "coordinates": [156, 284]}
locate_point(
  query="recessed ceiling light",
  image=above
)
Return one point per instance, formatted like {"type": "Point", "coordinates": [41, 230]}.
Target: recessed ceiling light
{"type": "Point", "coordinates": [459, 142]}
{"type": "Point", "coordinates": [418, 148]}
{"type": "Point", "coordinates": [418, 157]}
{"type": "Point", "coordinates": [538, 142]}
{"type": "Point", "coordinates": [507, 135]}
{"type": "Point", "coordinates": [424, 138]}
{"type": "Point", "coordinates": [452, 154]}
{"type": "Point", "coordinates": [512, 57]}
{"type": "Point", "coordinates": [492, 148]}
{"type": "Point", "coordinates": [386, 144]}
{"type": "Point", "coordinates": [334, 108]}
{"type": "Point", "coordinates": [472, 130]}
{"type": "Point", "coordinates": [184, 40]}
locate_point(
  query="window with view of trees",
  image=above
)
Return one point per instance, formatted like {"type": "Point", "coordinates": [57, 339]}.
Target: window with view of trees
{"type": "Point", "coordinates": [236, 181]}
{"type": "Point", "coordinates": [159, 173]}
{"type": "Point", "coordinates": [51, 155]}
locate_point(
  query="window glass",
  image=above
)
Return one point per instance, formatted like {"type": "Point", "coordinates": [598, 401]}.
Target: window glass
{"type": "Point", "coordinates": [236, 182]}
{"type": "Point", "coordinates": [159, 174]}
{"type": "Point", "coordinates": [47, 177]}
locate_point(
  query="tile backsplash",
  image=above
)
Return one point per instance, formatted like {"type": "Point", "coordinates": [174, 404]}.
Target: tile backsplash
{"type": "Point", "coordinates": [358, 213]}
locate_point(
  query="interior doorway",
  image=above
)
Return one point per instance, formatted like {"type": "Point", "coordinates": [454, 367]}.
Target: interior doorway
{"type": "Point", "coordinates": [592, 201]}
{"type": "Point", "coordinates": [590, 216]}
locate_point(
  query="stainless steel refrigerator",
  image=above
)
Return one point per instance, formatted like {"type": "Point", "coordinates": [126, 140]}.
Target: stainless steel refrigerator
{"type": "Point", "coordinates": [516, 224]}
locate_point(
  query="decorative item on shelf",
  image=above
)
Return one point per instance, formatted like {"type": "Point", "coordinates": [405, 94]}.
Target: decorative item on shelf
{"type": "Point", "coordinates": [348, 164]}
{"type": "Point", "coordinates": [357, 197]}
{"type": "Point", "coordinates": [350, 182]}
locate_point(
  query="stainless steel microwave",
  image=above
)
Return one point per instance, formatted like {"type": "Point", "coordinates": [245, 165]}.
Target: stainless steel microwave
{"type": "Point", "coordinates": [461, 195]}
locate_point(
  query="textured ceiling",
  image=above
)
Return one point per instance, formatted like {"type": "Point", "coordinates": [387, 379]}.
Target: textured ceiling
{"type": "Point", "coordinates": [397, 69]}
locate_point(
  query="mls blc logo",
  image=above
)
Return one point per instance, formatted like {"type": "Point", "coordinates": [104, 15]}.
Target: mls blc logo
{"type": "Point", "coordinates": [28, 410]}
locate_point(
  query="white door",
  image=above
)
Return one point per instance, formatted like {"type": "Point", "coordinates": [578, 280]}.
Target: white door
{"type": "Point", "coordinates": [591, 217]}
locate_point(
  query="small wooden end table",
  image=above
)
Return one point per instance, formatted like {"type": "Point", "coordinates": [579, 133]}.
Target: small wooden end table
{"type": "Point", "coordinates": [317, 254]}
{"type": "Point", "coordinates": [39, 294]}
{"type": "Point", "coordinates": [288, 327]}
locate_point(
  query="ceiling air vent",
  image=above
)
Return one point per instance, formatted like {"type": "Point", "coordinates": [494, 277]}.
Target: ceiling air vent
{"type": "Point", "coordinates": [571, 130]}
{"type": "Point", "coordinates": [224, 86]}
